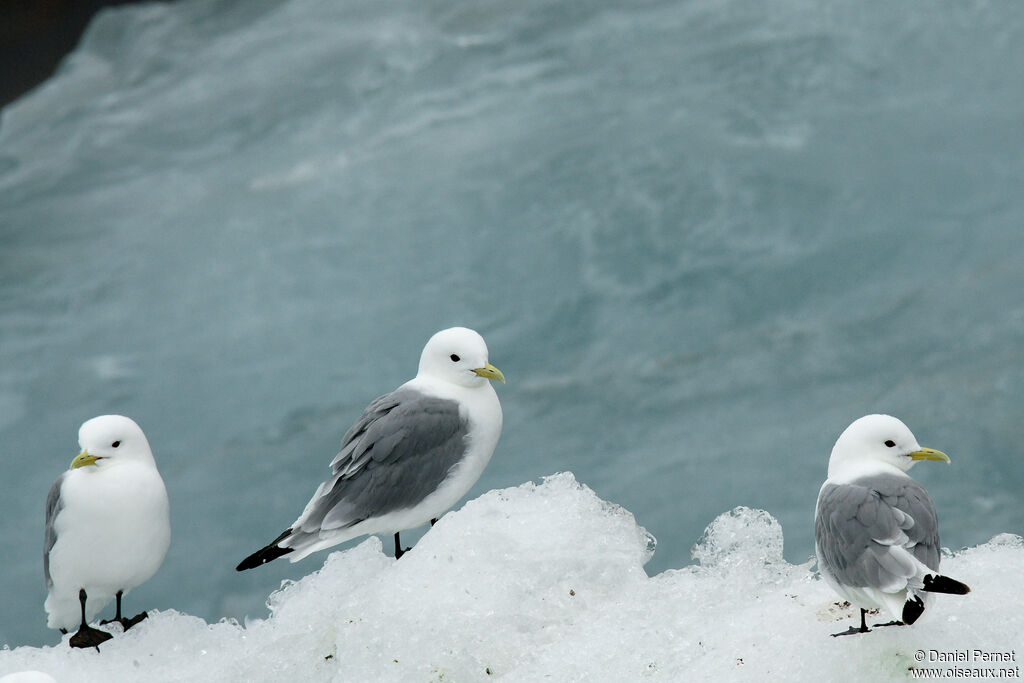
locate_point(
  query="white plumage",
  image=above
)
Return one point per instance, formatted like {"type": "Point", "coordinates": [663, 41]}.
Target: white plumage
{"type": "Point", "coordinates": [108, 523]}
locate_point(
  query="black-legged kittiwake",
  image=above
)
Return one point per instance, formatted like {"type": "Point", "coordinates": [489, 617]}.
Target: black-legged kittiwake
{"type": "Point", "coordinates": [875, 529]}
{"type": "Point", "coordinates": [107, 527]}
{"type": "Point", "coordinates": [411, 455]}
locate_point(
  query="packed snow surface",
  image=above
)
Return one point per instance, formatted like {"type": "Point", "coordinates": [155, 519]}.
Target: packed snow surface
{"type": "Point", "coordinates": [546, 582]}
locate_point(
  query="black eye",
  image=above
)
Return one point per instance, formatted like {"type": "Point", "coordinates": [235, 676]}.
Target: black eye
{"type": "Point", "coordinates": [115, 444]}
{"type": "Point", "coordinates": [455, 358]}
{"type": "Point", "coordinates": [890, 443]}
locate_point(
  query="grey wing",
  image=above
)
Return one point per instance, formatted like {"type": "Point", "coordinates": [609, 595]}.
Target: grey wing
{"type": "Point", "coordinates": [357, 450]}
{"type": "Point", "coordinates": [53, 506]}
{"type": "Point", "coordinates": [867, 531]}
{"type": "Point", "coordinates": [909, 497]}
{"type": "Point", "coordinates": [398, 452]}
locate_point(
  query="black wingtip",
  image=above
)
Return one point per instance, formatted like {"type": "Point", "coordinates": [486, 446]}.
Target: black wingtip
{"type": "Point", "coordinates": [912, 609]}
{"type": "Point", "coordinates": [935, 583]}
{"type": "Point", "coordinates": [266, 554]}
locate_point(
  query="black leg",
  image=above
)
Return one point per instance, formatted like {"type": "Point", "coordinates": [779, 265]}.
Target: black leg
{"type": "Point", "coordinates": [853, 629]}
{"type": "Point", "coordinates": [398, 547]}
{"type": "Point", "coordinates": [398, 542]}
{"type": "Point", "coordinates": [87, 636]}
{"type": "Point", "coordinates": [125, 623]}
{"type": "Point", "coordinates": [117, 613]}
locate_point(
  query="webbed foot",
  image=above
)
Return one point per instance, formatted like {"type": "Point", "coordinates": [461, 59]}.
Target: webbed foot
{"type": "Point", "coordinates": [853, 630]}
{"type": "Point", "coordinates": [87, 636]}
{"type": "Point", "coordinates": [890, 623]}
{"type": "Point", "coordinates": [128, 623]}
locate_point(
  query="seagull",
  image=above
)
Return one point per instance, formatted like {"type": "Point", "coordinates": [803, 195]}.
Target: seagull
{"type": "Point", "coordinates": [875, 529]}
{"type": "Point", "coordinates": [411, 455]}
{"type": "Point", "coordinates": [107, 528]}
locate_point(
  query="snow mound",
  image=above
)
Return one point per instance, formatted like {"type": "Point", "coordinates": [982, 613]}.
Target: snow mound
{"type": "Point", "coordinates": [28, 677]}
{"type": "Point", "coordinates": [547, 581]}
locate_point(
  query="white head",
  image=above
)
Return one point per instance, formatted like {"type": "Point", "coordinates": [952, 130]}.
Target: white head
{"type": "Point", "coordinates": [458, 355]}
{"type": "Point", "coordinates": [880, 438]}
{"type": "Point", "coordinates": [110, 439]}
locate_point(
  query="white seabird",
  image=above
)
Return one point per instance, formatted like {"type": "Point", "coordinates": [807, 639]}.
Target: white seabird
{"type": "Point", "coordinates": [875, 529]}
{"type": "Point", "coordinates": [107, 527]}
{"type": "Point", "coordinates": [411, 455]}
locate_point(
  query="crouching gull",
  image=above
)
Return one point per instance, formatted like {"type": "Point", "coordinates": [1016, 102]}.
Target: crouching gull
{"type": "Point", "coordinates": [411, 455]}
{"type": "Point", "coordinates": [107, 527]}
{"type": "Point", "coordinates": [875, 530]}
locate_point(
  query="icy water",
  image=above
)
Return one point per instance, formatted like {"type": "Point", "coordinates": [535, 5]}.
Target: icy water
{"type": "Point", "coordinates": [700, 238]}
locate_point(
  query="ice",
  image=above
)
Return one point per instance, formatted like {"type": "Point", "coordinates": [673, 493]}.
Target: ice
{"type": "Point", "coordinates": [27, 677]}
{"type": "Point", "coordinates": [546, 582]}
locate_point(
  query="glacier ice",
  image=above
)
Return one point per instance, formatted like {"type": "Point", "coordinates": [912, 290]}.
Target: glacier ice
{"type": "Point", "coordinates": [546, 582]}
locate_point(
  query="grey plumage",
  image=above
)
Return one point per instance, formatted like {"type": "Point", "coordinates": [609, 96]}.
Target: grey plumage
{"type": "Point", "coordinates": [858, 523]}
{"type": "Point", "coordinates": [54, 504]}
{"type": "Point", "coordinates": [875, 529]}
{"type": "Point", "coordinates": [397, 453]}
{"type": "Point", "coordinates": [409, 457]}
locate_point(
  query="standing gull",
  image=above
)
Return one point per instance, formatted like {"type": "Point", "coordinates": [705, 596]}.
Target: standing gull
{"type": "Point", "coordinates": [875, 530]}
{"type": "Point", "coordinates": [411, 455]}
{"type": "Point", "coordinates": [107, 527]}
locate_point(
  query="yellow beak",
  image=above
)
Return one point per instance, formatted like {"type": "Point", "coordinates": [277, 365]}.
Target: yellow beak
{"type": "Point", "coordinates": [83, 459]}
{"type": "Point", "coordinates": [490, 372]}
{"type": "Point", "coordinates": [928, 454]}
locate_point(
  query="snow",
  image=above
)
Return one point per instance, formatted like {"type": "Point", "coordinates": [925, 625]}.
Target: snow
{"type": "Point", "coordinates": [27, 677]}
{"type": "Point", "coordinates": [546, 582]}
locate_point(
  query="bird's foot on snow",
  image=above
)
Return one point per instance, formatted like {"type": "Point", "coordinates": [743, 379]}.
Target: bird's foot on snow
{"type": "Point", "coordinates": [853, 630]}
{"type": "Point", "coordinates": [87, 636]}
{"type": "Point", "coordinates": [126, 623]}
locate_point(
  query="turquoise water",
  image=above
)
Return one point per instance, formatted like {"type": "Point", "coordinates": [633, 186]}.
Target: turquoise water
{"type": "Point", "coordinates": [700, 238]}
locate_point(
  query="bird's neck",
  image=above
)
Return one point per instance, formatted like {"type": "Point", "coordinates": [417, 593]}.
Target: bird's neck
{"type": "Point", "coordinates": [846, 471]}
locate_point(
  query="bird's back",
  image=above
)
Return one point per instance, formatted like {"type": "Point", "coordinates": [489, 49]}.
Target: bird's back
{"type": "Point", "coordinates": [867, 530]}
